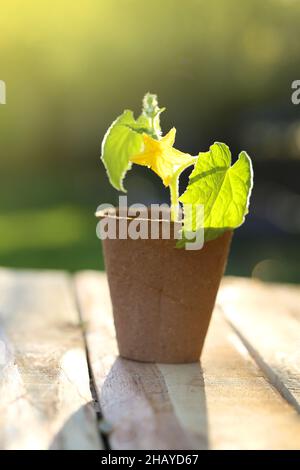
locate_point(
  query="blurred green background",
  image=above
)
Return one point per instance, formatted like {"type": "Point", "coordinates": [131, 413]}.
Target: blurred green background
{"type": "Point", "coordinates": [222, 68]}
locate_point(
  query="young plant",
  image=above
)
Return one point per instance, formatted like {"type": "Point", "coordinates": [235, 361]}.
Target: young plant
{"type": "Point", "coordinates": [223, 190]}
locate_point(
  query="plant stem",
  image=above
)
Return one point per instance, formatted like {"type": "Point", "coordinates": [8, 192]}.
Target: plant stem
{"type": "Point", "coordinates": [174, 193]}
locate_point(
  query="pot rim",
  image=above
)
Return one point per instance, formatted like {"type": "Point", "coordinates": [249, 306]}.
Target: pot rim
{"type": "Point", "coordinates": [113, 214]}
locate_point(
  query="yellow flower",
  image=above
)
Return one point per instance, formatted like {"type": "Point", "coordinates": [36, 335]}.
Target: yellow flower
{"type": "Point", "coordinates": [161, 157]}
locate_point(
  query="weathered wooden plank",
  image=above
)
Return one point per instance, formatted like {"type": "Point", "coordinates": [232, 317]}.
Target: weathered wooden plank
{"type": "Point", "coordinates": [224, 404]}
{"type": "Point", "coordinates": [267, 317]}
{"type": "Point", "coordinates": [45, 399]}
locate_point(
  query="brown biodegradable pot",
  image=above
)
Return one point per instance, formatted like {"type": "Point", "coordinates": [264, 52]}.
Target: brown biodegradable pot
{"type": "Point", "coordinates": [163, 297]}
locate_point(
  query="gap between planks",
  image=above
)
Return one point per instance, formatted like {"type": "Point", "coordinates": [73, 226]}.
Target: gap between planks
{"type": "Point", "coordinates": [103, 428]}
{"type": "Point", "coordinates": [266, 317]}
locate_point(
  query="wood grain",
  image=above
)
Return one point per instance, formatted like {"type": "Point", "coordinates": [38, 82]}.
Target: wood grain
{"type": "Point", "coordinates": [224, 403]}
{"type": "Point", "coordinates": [45, 399]}
{"type": "Point", "coordinates": [267, 318]}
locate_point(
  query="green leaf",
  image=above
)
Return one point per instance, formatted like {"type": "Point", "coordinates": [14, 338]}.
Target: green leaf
{"type": "Point", "coordinates": [122, 140]}
{"type": "Point", "coordinates": [222, 189]}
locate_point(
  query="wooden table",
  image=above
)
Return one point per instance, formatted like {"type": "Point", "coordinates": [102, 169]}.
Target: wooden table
{"type": "Point", "coordinates": [63, 386]}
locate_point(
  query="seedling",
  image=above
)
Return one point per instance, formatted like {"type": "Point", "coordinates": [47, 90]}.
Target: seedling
{"type": "Point", "coordinates": [223, 190]}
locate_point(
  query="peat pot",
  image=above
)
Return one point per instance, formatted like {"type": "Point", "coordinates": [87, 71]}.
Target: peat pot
{"type": "Point", "coordinates": [162, 297]}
